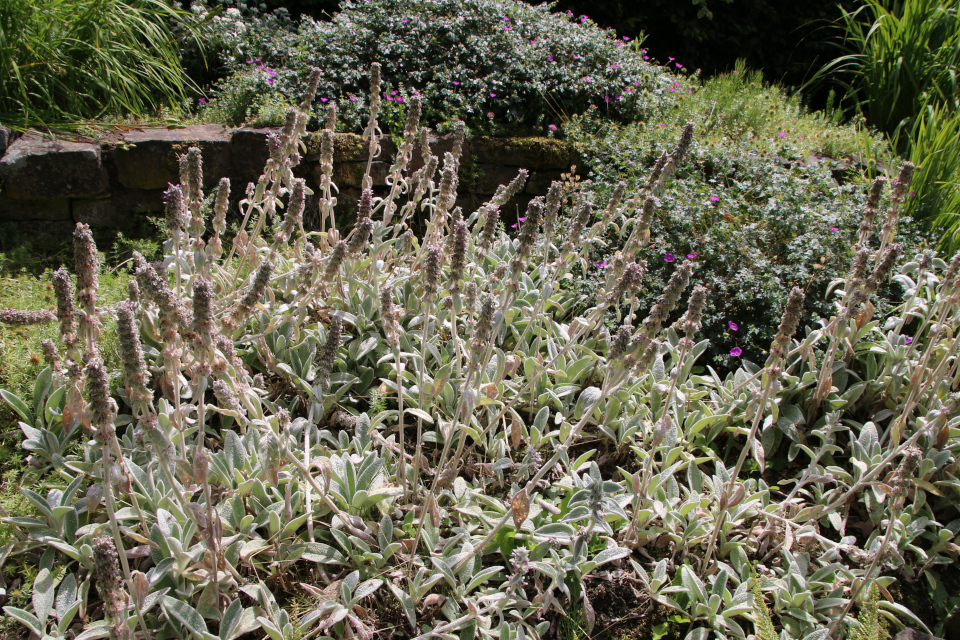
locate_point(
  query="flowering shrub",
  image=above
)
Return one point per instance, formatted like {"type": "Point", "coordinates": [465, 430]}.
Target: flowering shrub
{"type": "Point", "coordinates": [526, 66]}
{"type": "Point", "coordinates": [426, 438]}
{"type": "Point", "coordinates": [754, 209]}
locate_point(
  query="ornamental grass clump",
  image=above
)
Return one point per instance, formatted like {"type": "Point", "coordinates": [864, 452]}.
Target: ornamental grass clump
{"type": "Point", "coordinates": [430, 437]}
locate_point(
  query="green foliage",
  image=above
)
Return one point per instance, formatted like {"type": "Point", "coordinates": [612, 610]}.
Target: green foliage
{"type": "Point", "coordinates": [870, 625]}
{"type": "Point", "coordinates": [69, 60]}
{"type": "Point", "coordinates": [902, 56]}
{"type": "Point", "coordinates": [526, 66]}
{"type": "Point", "coordinates": [759, 212]}
{"type": "Point", "coordinates": [517, 449]}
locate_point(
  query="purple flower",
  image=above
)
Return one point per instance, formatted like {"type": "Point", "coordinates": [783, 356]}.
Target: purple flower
{"type": "Point", "coordinates": [629, 90]}
{"type": "Point", "coordinates": [260, 66]}
{"type": "Point", "coordinates": [353, 98]}
{"type": "Point", "coordinates": [782, 134]}
{"type": "Point", "coordinates": [405, 21]}
{"type": "Point", "coordinates": [646, 57]}
{"type": "Point", "coordinates": [506, 19]}
{"type": "Point", "coordinates": [616, 66]}
{"type": "Point", "coordinates": [323, 99]}
{"type": "Point", "coordinates": [661, 124]}
{"type": "Point", "coordinates": [390, 98]}
{"type": "Point", "coordinates": [913, 195]}
{"type": "Point", "coordinates": [550, 58]}
{"type": "Point", "coordinates": [393, 93]}
{"type": "Point", "coordinates": [517, 224]}
{"type": "Point", "coordinates": [626, 38]}
{"type": "Point", "coordinates": [733, 325]}
{"type": "Point", "coordinates": [672, 89]}
{"type": "Point", "coordinates": [569, 14]}
{"type": "Point", "coordinates": [833, 228]}
{"type": "Point", "coordinates": [736, 351]}
{"type": "Point", "coordinates": [270, 81]}
{"type": "Point", "coordinates": [493, 95]}
{"type": "Point", "coordinates": [456, 83]}
{"type": "Point", "coordinates": [588, 79]}
{"type": "Point", "coordinates": [601, 264]}
{"type": "Point", "coordinates": [249, 61]}
{"type": "Point", "coordinates": [584, 18]}
{"type": "Point", "coordinates": [714, 199]}
{"type": "Point", "coordinates": [490, 114]}
{"type": "Point", "coordinates": [576, 57]}
{"type": "Point", "coordinates": [671, 59]}
{"type": "Point", "coordinates": [669, 257]}
{"type": "Point", "coordinates": [399, 99]}
{"type": "Point", "coordinates": [908, 339]}
{"type": "Point", "coordinates": [679, 66]}
{"type": "Point", "coordinates": [533, 42]}
{"type": "Point", "coordinates": [259, 59]}
{"type": "Point", "coordinates": [606, 99]}
{"type": "Point", "coordinates": [203, 101]}
{"type": "Point", "coordinates": [691, 255]}
{"type": "Point", "coordinates": [552, 127]}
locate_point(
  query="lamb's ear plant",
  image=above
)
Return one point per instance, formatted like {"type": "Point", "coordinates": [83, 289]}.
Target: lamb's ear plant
{"type": "Point", "coordinates": [372, 426]}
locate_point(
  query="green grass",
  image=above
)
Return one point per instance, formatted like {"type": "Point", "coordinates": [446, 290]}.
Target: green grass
{"type": "Point", "coordinates": [69, 60]}
{"type": "Point", "coordinates": [901, 56]}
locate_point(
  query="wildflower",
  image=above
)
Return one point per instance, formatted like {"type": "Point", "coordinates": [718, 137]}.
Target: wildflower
{"type": "Point", "coordinates": [908, 339]}
{"type": "Point", "coordinates": [679, 66]}
{"type": "Point", "coordinates": [736, 352]}
{"type": "Point", "coordinates": [671, 89]}
{"type": "Point", "coordinates": [456, 83]}
{"type": "Point", "coordinates": [733, 325]}
{"type": "Point", "coordinates": [587, 79]}
{"type": "Point", "coordinates": [550, 58]}
{"type": "Point", "coordinates": [833, 228]}
{"type": "Point", "coordinates": [669, 257]}
{"type": "Point", "coordinates": [533, 42]}
{"type": "Point", "coordinates": [661, 124]}
{"type": "Point", "coordinates": [493, 95]}
{"type": "Point", "coordinates": [552, 127]}
{"type": "Point", "coordinates": [913, 195]}
{"type": "Point", "coordinates": [691, 255]}
{"type": "Point", "coordinates": [601, 264]}
{"type": "Point", "coordinates": [584, 18]}
{"type": "Point", "coordinates": [517, 223]}
{"type": "Point", "coordinates": [782, 134]}
{"type": "Point", "coordinates": [646, 57]}
{"type": "Point", "coordinates": [616, 66]}
{"type": "Point", "coordinates": [626, 38]}
{"type": "Point", "coordinates": [202, 101]}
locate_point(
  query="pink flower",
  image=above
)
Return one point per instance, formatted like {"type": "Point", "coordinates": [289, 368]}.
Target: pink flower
{"type": "Point", "coordinates": [405, 21]}
{"type": "Point", "coordinates": [576, 57]}
{"type": "Point", "coordinates": [506, 28]}
{"type": "Point", "coordinates": [714, 199]}
{"type": "Point", "coordinates": [629, 90]}
{"type": "Point", "coordinates": [833, 228]}
{"type": "Point", "coordinates": [671, 59]}
{"type": "Point", "coordinates": [506, 19]}
{"type": "Point", "coordinates": [270, 81]}
{"type": "Point", "coordinates": [626, 38]}
{"type": "Point", "coordinates": [601, 264]}
{"type": "Point", "coordinates": [490, 115]}
{"type": "Point", "coordinates": [679, 66]}
{"type": "Point", "coordinates": [733, 325]}
{"type": "Point", "coordinates": [202, 101]}
{"type": "Point", "coordinates": [646, 57]}
{"type": "Point", "coordinates": [552, 127]}
{"type": "Point", "coordinates": [533, 42]}
{"type": "Point", "coordinates": [456, 83]}
{"type": "Point", "coordinates": [587, 79]}
{"type": "Point", "coordinates": [569, 14]}
{"type": "Point", "coordinates": [519, 220]}
{"type": "Point", "coordinates": [323, 99]}
{"type": "Point", "coordinates": [390, 98]}
{"type": "Point", "coordinates": [550, 58]}
{"type": "Point", "coordinates": [736, 351]}
{"type": "Point", "coordinates": [672, 89]}
{"type": "Point", "coordinates": [353, 98]}
{"type": "Point", "coordinates": [782, 134]}
{"type": "Point", "coordinates": [691, 255]}
{"type": "Point", "coordinates": [393, 93]}
{"type": "Point", "coordinates": [913, 195]}
{"type": "Point", "coordinates": [690, 91]}
{"type": "Point", "coordinates": [259, 59]}
{"type": "Point", "coordinates": [584, 18]}
{"type": "Point", "coordinates": [660, 124]}
{"type": "Point", "coordinates": [606, 99]}
{"type": "Point", "coordinates": [493, 95]}
{"type": "Point", "coordinates": [616, 66]}
{"type": "Point", "coordinates": [669, 257]}
{"type": "Point", "coordinates": [249, 61]}
{"type": "Point", "coordinates": [908, 339]}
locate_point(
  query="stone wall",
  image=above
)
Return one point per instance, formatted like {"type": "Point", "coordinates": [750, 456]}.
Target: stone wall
{"type": "Point", "coordinates": [47, 185]}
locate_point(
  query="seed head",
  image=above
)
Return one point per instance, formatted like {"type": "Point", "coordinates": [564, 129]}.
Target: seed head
{"type": "Point", "coordinates": [329, 354]}
{"type": "Point", "coordinates": [620, 342]}
{"type": "Point", "coordinates": [458, 254]}
{"type": "Point", "coordinates": [175, 212]}
{"type": "Point", "coordinates": [488, 233]}
{"type": "Point", "coordinates": [135, 371]}
{"type": "Point", "coordinates": [23, 318]}
{"type": "Point", "coordinates": [87, 265]}
{"type": "Point", "coordinates": [504, 194]}
{"type": "Point", "coordinates": [66, 311]}
{"type": "Point", "coordinates": [431, 272]}
{"type": "Point", "coordinates": [788, 326]}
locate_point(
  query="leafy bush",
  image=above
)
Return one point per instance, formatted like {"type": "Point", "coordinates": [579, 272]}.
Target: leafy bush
{"type": "Point", "coordinates": [436, 435]}
{"type": "Point", "coordinates": [68, 60]}
{"type": "Point", "coordinates": [500, 65]}
{"type": "Point", "coordinates": [755, 207]}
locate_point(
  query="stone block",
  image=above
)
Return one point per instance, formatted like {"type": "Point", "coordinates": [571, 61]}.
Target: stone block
{"type": "Point", "coordinates": [250, 154]}
{"type": "Point", "coordinates": [153, 160]}
{"type": "Point", "coordinates": [349, 147]}
{"type": "Point", "coordinates": [539, 182]}
{"type": "Point", "coordinates": [123, 209]}
{"type": "Point", "coordinates": [491, 176]}
{"type": "Point", "coordinates": [350, 174]}
{"type": "Point", "coordinates": [34, 209]}
{"type": "Point", "coordinates": [529, 153]}
{"type": "Point", "coordinates": [36, 166]}
{"type": "Point", "coordinates": [7, 137]}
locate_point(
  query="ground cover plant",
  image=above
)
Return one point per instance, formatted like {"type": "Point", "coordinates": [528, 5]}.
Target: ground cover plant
{"type": "Point", "coordinates": [342, 434]}
{"type": "Point", "coordinates": [501, 66]}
